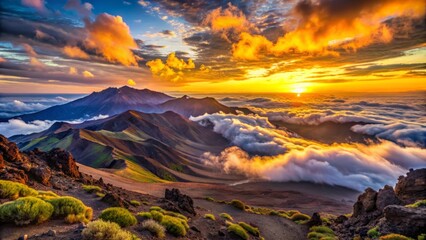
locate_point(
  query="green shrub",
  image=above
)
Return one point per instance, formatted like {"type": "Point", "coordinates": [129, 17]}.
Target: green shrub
{"type": "Point", "coordinates": [419, 203]}
{"type": "Point", "coordinates": [25, 210]}
{"type": "Point", "coordinates": [135, 203]}
{"type": "Point", "coordinates": [321, 233]}
{"type": "Point", "coordinates": [71, 208]}
{"type": "Point", "coordinates": [157, 216]}
{"type": "Point", "coordinates": [252, 230]}
{"type": "Point", "coordinates": [300, 217]}
{"type": "Point", "coordinates": [14, 190]}
{"type": "Point", "coordinates": [46, 195]}
{"type": "Point", "coordinates": [91, 188]}
{"type": "Point", "coordinates": [238, 204]}
{"type": "Point", "coordinates": [175, 226]}
{"type": "Point", "coordinates": [394, 236]}
{"type": "Point", "coordinates": [226, 216]}
{"type": "Point", "coordinates": [154, 227]}
{"type": "Point", "coordinates": [100, 194]}
{"type": "Point", "coordinates": [210, 199]}
{"type": "Point", "coordinates": [146, 215]}
{"type": "Point", "coordinates": [175, 214]}
{"type": "Point", "coordinates": [238, 230]}
{"type": "Point", "coordinates": [119, 215]}
{"type": "Point", "coordinates": [421, 236]}
{"type": "Point", "coordinates": [156, 208]}
{"type": "Point", "coordinates": [374, 232]}
{"type": "Point", "coordinates": [210, 216]}
{"type": "Point", "coordinates": [100, 230]}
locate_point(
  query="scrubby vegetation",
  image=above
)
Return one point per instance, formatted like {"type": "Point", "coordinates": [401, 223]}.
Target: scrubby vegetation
{"type": "Point", "coordinates": [47, 195]}
{"type": "Point", "coordinates": [91, 188]}
{"type": "Point", "coordinates": [252, 230]}
{"type": "Point", "coordinates": [421, 236]}
{"type": "Point", "coordinates": [210, 216]}
{"type": "Point", "coordinates": [174, 223]}
{"type": "Point", "coordinates": [71, 208]}
{"type": "Point", "coordinates": [25, 210]}
{"type": "Point", "coordinates": [238, 230]}
{"type": "Point", "coordinates": [100, 230]}
{"type": "Point", "coordinates": [135, 203]}
{"type": "Point", "coordinates": [226, 216]}
{"type": "Point", "coordinates": [321, 233]}
{"type": "Point", "coordinates": [394, 236]}
{"type": "Point", "coordinates": [100, 194]}
{"type": "Point", "coordinates": [175, 226]}
{"type": "Point", "coordinates": [119, 215]}
{"type": "Point", "coordinates": [299, 217]}
{"type": "Point", "coordinates": [13, 190]}
{"type": "Point", "coordinates": [210, 199]}
{"type": "Point", "coordinates": [419, 203]}
{"type": "Point", "coordinates": [374, 232]}
{"type": "Point", "coordinates": [154, 227]}
{"type": "Point", "coordinates": [238, 204]}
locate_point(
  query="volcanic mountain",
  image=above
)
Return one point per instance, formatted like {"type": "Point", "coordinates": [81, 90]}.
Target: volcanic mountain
{"type": "Point", "coordinates": [113, 101]}
{"type": "Point", "coordinates": [142, 146]}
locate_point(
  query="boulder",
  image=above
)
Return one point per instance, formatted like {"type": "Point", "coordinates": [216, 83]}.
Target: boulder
{"type": "Point", "coordinates": [412, 187]}
{"type": "Point", "coordinates": [9, 150]}
{"type": "Point", "coordinates": [62, 161]}
{"type": "Point", "coordinates": [41, 174]}
{"type": "Point", "coordinates": [403, 220]}
{"type": "Point", "coordinates": [366, 202]}
{"type": "Point", "coordinates": [182, 201]}
{"type": "Point", "coordinates": [114, 200]}
{"type": "Point", "coordinates": [315, 220]}
{"type": "Point", "coordinates": [2, 164]}
{"type": "Point", "coordinates": [385, 197]}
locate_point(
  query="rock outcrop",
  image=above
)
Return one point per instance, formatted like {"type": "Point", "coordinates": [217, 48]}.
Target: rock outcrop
{"type": "Point", "coordinates": [35, 166]}
{"type": "Point", "coordinates": [174, 200]}
{"type": "Point", "coordinates": [386, 209]}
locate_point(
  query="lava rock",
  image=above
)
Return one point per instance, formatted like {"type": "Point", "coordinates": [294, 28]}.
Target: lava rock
{"type": "Point", "coordinates": [412, 187]}
{"type": "Point", "coordinates": [183, 201]}
{"type": "Point", "coordinates": [385, 197]}
{"type": "Point", "coordinates": [315, 220]}
{"type": "Point", "coordinates": [406, 221]}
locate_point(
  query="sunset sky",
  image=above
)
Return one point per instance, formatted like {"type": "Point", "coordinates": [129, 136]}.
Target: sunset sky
{"type": "Point", "coordinates": [60, 46]}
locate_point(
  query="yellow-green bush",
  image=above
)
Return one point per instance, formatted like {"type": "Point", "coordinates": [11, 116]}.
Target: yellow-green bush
{"type": "Point", "coordinates": [419, 203]}
{"type": "Point", "coordinates": [71, 208]}
{"type": "Point", "coordinates": [394, 236]}
{"type": "Point", "coordinates": [25, 210]}
{"type": "Point", "coordinates": [146, 215]}
{"type": "Point", "coordinates": [135, 203]}
{"type": "Point", "coordinates": [14, 190]}
{"type": "Point", "coordinates": [100, 230]}
{"type": "Point", "coordinates": [373, 232]}
{"type": "Point", "coordinates": [209, 216]}
{"type": "Point", "coordinates": [238, 230]}
{"type": "Point", "coordinates": [157, 216]}
{"type": "Point", "coordinates": [46, 195]}
{"type": "Point", "coordinates": [226, 216]}
{"type": "Point", "coordinates": [321, 233]}
{"type": "Point", "coordinates": [119, 215]}
{"type": "Point", "coordinates": [156, 208]}
{"type": "Point", "coordinates": [154, 227]}
{"type": "Point", "coordinates": [252, 230]}
{"type": "Point", "coordinates": [91, 188]}
{"type": "Point", "coordinates": [175, 226]}
{"type": "Point", "coordinates": [300, 217]}
{"type": "Point", "coordinates": [238, 204]}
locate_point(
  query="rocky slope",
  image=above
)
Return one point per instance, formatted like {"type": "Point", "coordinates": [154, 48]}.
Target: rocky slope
{"type": "Point", "coordinates": [387, 209]}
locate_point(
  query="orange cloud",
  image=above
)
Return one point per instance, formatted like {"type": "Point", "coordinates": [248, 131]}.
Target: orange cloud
{"type": "Point", "coordinates": [73, 71]}
{"type": "Point", "coordinates": [75, 52]}
{"type": "Point", "coordinates": [171, 69]}
{"type": "Point", "coordinates": [325, 26]}
{"type": "Point", "coordinates": [88, 74]}
{"type": "Point", "coordinates": [227, 22]}
{"type": "Point", "coordinates": [110, 36]}
{"type": "Point", "coordinates": [32, 55]}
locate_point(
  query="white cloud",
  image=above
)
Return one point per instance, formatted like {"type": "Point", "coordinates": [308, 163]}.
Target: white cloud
{"type": "Point", "coordinates": [17, 106]}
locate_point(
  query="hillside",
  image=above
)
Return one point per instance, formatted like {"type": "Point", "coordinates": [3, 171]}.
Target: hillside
{"type": "Point", "coordinates": [143, 146]}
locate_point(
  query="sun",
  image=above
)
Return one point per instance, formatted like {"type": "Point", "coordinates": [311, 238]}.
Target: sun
{"type": "Point", "coordinates": [298, 89]}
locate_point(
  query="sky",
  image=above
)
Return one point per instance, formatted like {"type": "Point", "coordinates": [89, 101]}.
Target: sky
{"type": "Point", "coordinates": [324, 46]}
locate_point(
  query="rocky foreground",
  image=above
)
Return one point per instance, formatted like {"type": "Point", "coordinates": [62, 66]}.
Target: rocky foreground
{"type": "Point", "coordinates": [376, 214]}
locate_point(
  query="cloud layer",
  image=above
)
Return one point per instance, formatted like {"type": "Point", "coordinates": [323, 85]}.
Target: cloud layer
{"type": "Point", "coordinates": [289, 158]}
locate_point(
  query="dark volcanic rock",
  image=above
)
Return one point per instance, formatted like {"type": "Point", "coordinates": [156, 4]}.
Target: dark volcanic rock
{"type": "Point", "coordinates": [9, 150]}
{"type": "Point", "coordinates": [184, 202]}
{"type": "Point", "coordinates": [63, 161]}
{"type": "Point", "coordinates": [114, 200]}
{"type": "Point", "coordinates": [42, 175]}
{"type": "Point", "coordinates": [315, 220]}
{"type": "Point", "coordinates": [366, 202]}
{"type": "Point", "coordinates": [2, 165]}
{"type": "Point", "coordinates": [386, 197]}
{"type": "Point", "coordinates": [403, 220]}
{"type": "Point", "coordinates": [412, 187]}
